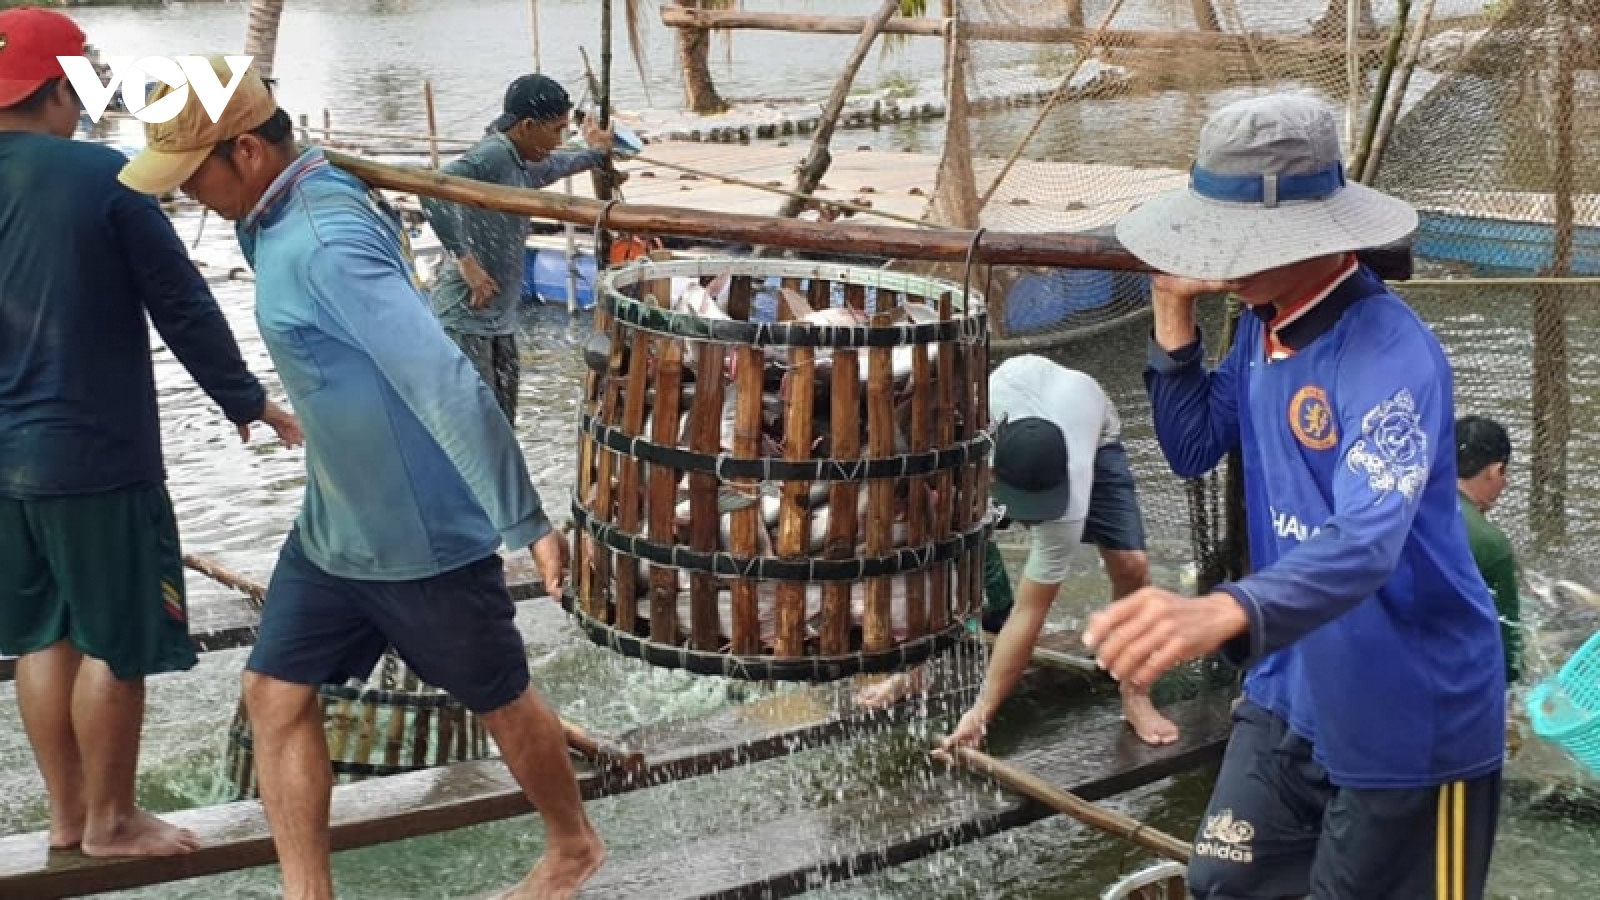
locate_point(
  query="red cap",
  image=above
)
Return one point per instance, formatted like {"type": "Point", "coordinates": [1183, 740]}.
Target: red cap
{"type": "Point", "coordinates": [30, 41]}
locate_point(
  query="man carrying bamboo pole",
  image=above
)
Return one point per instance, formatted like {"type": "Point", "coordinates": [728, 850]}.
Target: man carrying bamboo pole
{"type": "Point", "coordinates": [414, 481]}
{"type": "Point", "coordinates": [92, 594]}
{"type": "Point", "coordinates": [478, 296]}
{"type": "Point", "coordinates": [1366, 753]}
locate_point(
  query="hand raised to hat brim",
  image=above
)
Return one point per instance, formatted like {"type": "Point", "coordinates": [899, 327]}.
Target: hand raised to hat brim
{"type": "Point", "coordinates": [1172, 300]}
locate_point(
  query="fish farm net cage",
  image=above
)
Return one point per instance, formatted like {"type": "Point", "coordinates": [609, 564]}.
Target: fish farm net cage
{"type": "Point", "coordinates": [1065, 115]}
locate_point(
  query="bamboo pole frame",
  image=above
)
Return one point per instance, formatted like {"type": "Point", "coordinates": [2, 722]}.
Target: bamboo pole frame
{"type": "Point", "coordinates": [1067, 803]}
{"type": "Point", "coordinates": [1133, 39]}
{"type": "Point", "coordinates": [950, 246]}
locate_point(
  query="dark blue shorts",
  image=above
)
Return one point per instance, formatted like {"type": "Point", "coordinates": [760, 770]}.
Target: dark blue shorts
{"type": "Point", "coordinates": [1277, 827]}
{"type": "Point", "coordinates": [1114, 521]}
{"type": "Point", "coordinates": [455, 630]}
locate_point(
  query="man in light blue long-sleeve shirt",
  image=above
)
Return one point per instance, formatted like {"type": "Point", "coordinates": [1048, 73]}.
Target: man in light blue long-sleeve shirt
{"type": "Point", "coordinates": [478, 296]}
{"type": "Point", "coordinates": [413, 483]}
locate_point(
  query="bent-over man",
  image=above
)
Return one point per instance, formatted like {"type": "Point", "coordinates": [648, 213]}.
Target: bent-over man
{"type": "Point", "coordinates": [1060, 470]}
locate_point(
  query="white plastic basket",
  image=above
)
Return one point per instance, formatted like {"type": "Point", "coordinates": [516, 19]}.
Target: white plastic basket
{"type": "Point", "coordinates": [1162, 881]}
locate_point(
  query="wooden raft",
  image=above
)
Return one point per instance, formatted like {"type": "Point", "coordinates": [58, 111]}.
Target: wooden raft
{"type": "Point", "coordinates": [829, 423]}
{"type": "Point", "coordinates": [235, 836]}
{"type": "Point", "coordinates": [859, 835]}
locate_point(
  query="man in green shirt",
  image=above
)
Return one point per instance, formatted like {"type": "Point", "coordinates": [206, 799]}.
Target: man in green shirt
{"type": "Point", "coordinates": [1483, 449]}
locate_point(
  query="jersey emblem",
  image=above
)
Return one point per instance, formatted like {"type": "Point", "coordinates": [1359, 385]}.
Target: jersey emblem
{"type": "Point", "coordinates": [1311, 419]}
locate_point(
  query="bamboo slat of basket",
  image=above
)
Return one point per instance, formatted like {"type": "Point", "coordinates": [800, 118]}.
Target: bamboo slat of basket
{"type": "Point", "coordinates": [877, 627]}
{"type": "Point", "coordinates": [794, 517]}
{"type": "Point", "coordinates": [743, 539]}
{"type": "Point", "coordinates": [943, 482]}
{"type": "Point", "coordinates": [921, 436]}
{"type": "Point", "coordinates": [844, 496]}
{"type": "Point", "coordinates": [663, 495]}
{"type": "Point", "coordinates": [629, 488]}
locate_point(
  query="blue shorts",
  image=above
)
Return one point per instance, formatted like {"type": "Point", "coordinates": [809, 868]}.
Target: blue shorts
{"type": "Point", "coordinates": [1277, 827]}
{"type": "Point", "coordinates": [1114, 521]}
{"type": "Point", "coordinates": [456, 630]}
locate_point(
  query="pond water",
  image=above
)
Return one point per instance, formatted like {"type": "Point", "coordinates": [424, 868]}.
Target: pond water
{"type": "Point", "coordinates": [365, 61]}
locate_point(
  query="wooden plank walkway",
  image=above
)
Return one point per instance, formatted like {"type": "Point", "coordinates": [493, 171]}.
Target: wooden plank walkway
{"type": "Point", "coordinates": [1094, 759]}
{"type": "Point", "coordinates": [235, 835]}
{"type": "Point", "coordinates": [224, 620]}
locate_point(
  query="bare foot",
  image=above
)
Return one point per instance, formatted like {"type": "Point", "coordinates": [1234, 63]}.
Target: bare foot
{"type": "Point", "coordinates": [891, 690]}
{"type": "Point", "coordinates": [560, 873]}
{"type": "Point", "coordinates": [141, 834]}
{"type": "Point", "coordinates": [65, 835]}
{"type": "Point", "coordinates": [1150, 725]}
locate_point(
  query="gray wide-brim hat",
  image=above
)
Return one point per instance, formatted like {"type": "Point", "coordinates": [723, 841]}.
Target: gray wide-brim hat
{"type": "Point", "coordinates": [1267, 189]}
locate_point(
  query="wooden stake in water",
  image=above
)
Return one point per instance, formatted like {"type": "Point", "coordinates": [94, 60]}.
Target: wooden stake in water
{"type": "Point", "coordinates": [433, 125]}
{"type": "Point", "coordinates": [534, 8]}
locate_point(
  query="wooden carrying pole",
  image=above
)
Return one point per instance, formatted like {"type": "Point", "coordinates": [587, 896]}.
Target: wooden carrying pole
{"type": "Point", "coordinates": [992, 247]}
{"type": "Point", "coordinates": [600, 752]}
{"type": "Point", "coordinates": [1066, 803]}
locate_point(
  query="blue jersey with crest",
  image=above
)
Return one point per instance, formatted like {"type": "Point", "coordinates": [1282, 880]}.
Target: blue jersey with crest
{"type": "Point", "coordinates": [1371, 632]}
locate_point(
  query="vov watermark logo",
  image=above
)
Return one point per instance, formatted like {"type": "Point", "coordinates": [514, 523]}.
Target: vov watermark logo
{"type": "Point", "coordinates": [180, 73]}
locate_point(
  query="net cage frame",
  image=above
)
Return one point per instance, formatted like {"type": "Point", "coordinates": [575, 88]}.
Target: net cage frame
{"type": "Point", "coordinates": [620, 465]}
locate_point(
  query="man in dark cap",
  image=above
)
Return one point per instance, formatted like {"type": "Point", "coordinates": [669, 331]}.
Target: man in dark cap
{"type": "Point", "coordinates": [1060, 470]}
{"type": "Point", "coordinates": [479, 292]}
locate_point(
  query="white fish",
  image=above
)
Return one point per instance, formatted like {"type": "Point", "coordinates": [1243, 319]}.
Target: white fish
{"type": "Point", "coordinates": [767, 605]}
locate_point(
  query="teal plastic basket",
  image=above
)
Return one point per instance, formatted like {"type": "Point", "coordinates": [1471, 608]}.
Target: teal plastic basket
{"type": "Point", "coordinates": [1566, 709]}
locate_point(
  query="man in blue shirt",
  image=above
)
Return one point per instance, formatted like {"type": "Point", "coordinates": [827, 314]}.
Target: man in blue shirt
{"type": "Point", "coordinates": [91, 570]}
{"type": "Point", "coordinates": [1366, 753]}
{"type": "Point", "coordinates": [478, 296]}
{"type": "Point", "coordinates": [413, 482]}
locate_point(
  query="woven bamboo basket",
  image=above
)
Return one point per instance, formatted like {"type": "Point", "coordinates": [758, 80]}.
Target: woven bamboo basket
{"type": "Point", "coordinates": [392, 723]}
{"type": "Point", "coordinates": [782, 467]}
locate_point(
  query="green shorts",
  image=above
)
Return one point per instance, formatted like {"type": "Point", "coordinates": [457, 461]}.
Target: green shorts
{"type": "Point", "coordinates": [102, 570]}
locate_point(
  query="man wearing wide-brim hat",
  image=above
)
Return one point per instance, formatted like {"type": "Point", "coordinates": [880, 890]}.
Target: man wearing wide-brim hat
{"type": "Point", "coordinates": [1366, 752]}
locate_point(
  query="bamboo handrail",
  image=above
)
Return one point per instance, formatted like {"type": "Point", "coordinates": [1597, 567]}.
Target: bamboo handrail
{"type": "Point", "coordinates": [1109, 821]}
{"type": "Point", "coordinates": [600, 752]}
{"type": "Point", "coordinates": [1138, 39]}
{"type": "Point", "coordinates": [930, 245]}
{"type": "Point", "coordinates": [644, 159]}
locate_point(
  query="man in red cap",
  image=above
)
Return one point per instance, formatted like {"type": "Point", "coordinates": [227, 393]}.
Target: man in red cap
{"type": "Point", "coordinates": [91, 572]}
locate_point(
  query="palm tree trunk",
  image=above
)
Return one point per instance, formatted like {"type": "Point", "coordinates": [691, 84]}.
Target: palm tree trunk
{"type": "Point", "coordinates": [261, 35]}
